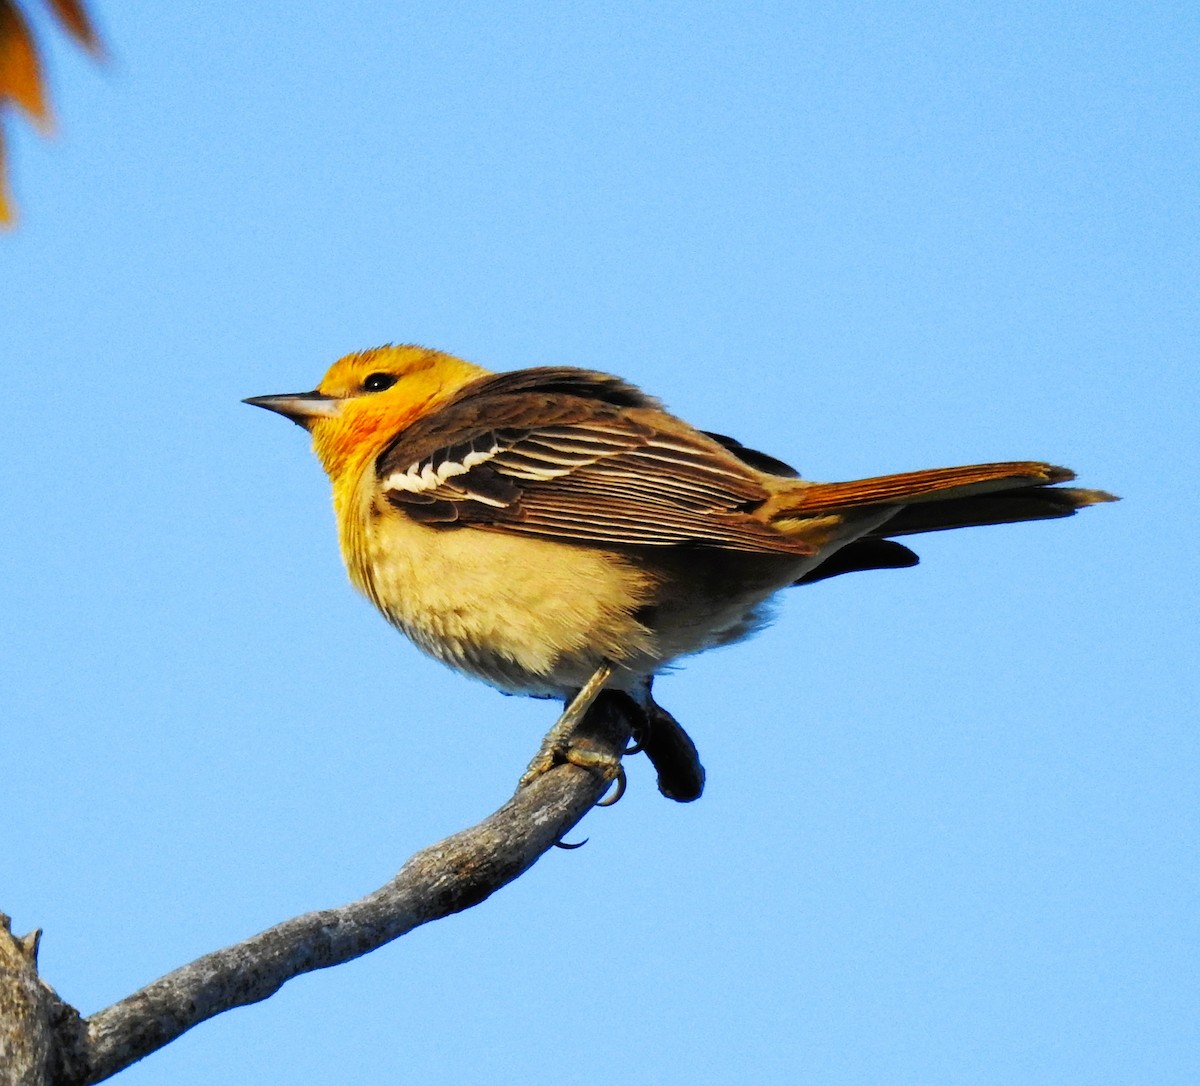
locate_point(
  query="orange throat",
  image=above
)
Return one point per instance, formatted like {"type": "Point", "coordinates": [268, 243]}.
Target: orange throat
{"type": "Point", "coordinates": [346, 443]}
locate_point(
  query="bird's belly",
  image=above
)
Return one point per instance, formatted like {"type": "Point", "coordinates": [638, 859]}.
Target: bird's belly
{"type": "Point", "coordinates": [528, 615]}
{"type": "Point", "coordinates": [535, 616]}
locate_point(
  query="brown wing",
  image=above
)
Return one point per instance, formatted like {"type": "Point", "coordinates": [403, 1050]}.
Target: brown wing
{"type": "Point", "coordinates": [580, 457]}
{"type": "Point", "coordinates": [768, 464]}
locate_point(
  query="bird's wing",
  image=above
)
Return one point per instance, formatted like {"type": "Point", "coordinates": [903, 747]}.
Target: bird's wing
{"type": "Point", "coordinates": [760, 460]}
{"type": "Point", "coordinates": [575, 456]}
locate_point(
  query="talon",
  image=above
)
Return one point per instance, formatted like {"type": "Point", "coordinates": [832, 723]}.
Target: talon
{"type": "Point", "coordinates": [570, 847]}
{"type": "Point", "coordinates": [618, 792]}
{"type": "Point", "coordinates": [545, 761]}
{"type": "Point", "coordinates": [556, 747]}
{"type": "Point", "coordinates": [634, 748]}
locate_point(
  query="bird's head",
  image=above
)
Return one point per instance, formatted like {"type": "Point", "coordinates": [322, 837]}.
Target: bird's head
{"type": "Point", "coordinates": [367, 398]}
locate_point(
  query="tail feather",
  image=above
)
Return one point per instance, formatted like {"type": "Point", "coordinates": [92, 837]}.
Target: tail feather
{"type": "Point", "coordinates": [1003, 507]}
{"type": "Point", "coordinates": [936, 484]}
{"type": "Point", "coordinates": [869, 552]}
{"type": "Point", "coordinates": [923, 501]}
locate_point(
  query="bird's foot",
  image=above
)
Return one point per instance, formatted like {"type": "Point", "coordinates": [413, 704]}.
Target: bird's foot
{"type": "Point", "coordinates": [563, 746]}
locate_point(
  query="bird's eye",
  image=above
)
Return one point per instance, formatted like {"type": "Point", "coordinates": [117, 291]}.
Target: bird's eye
{"type": "Point", "coordinates": [377, 382]}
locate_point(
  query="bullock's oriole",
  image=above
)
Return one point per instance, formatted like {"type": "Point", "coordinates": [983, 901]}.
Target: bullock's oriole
{"type": "Point", "coordinates": [553, 530]}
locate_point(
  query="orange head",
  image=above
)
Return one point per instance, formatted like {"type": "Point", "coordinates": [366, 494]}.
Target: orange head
{"type": "Point", "coordinates": [367, 398]}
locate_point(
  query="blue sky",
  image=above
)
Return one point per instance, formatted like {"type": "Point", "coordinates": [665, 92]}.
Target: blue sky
{"type": "Point", "coordinates": [951, 823]}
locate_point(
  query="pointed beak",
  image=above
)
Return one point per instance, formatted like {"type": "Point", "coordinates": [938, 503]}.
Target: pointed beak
{"type": "Point", "coordinates": [303, 408]}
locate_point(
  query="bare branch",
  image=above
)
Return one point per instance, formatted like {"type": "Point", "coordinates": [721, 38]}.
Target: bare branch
{"type": "Point", "coordinates": [445, 878]}
{"type": "Point", "coordinates": [26, 1037]}
{"type": "Point", "coordinates": [37, 1029]}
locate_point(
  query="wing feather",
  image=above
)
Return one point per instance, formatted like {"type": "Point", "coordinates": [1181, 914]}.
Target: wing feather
{"type": "Point", "coordinates": [576, 457]}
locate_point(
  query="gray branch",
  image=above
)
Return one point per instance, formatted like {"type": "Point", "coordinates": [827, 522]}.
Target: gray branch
{"type": "Point", "coordinates": [445, 878]}
{"type": "Point", "coordinates": [39, 1033]}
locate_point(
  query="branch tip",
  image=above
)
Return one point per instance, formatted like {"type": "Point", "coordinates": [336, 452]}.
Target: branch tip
{"type": "Point", "coordinates": [29, 944]}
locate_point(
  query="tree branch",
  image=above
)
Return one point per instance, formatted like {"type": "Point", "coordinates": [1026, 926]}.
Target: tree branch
{"type": "Point", "coordinates": [38, 1031]}
{"type": "Point", "coordinates": [445, 878]}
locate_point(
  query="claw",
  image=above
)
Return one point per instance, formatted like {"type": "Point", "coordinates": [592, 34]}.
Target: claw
{"type": "Point", "coordinates": [618, 792]}
{"type": "Point", "coordinates": [556, 745]}
{"type": "Point", "coordinates": [634, 748]}
{"type": "Point", "coordinates": [570, 847]}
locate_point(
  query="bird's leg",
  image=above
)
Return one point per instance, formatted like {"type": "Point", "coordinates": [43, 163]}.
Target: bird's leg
{"type": "Point", "coordinates": [557, 748]}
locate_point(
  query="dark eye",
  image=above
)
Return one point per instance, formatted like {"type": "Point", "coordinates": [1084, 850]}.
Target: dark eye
{"type": "Point", "coordinates": [377, 382]}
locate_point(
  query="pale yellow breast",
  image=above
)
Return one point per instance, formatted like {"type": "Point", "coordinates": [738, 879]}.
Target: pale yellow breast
{"type": "Point", "coordinates": [526, 614]}
{"type": "Point", "coordinates": [536, 616]}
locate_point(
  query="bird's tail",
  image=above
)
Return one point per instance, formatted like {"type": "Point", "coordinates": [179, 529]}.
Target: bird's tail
{"type": "Point", "coordinates": [928, 501]}
{"type": "Point", "coordinates": [941, 498]}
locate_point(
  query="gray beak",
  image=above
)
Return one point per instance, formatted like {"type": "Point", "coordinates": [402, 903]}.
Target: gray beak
{"type": "Point", "coordinates": [303, 408]}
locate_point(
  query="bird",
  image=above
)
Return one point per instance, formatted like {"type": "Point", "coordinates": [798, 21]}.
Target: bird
{"type": "Point", "coordinates": [557, 532]}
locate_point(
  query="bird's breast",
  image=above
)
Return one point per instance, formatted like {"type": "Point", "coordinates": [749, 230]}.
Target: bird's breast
{"type": "Point", "coordinates": [528, 615]}
{"type": "Point", "coordinates": [538, 616]}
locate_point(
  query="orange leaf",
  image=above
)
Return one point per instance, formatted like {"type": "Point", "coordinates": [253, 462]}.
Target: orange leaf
{"type": "Point", "coordinates": [74, 18]}
{"type": "Point", "coordinates": [20, 72]}
{"type": "Point", "coordinates": [6, 209]}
